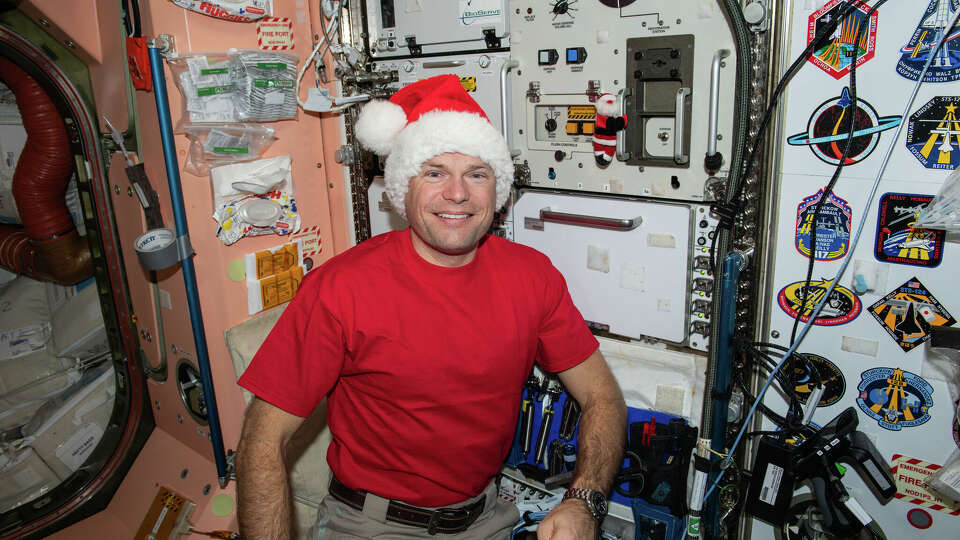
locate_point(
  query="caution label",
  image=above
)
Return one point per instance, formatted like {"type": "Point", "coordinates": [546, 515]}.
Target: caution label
{"type": "Point", "coordinates": [910, 475]}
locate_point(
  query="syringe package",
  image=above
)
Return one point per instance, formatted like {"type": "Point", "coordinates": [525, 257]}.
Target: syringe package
{"type": "Point", "coordinates": [212, 145]}
{"type": "Point", "coordinates": [236, 86]}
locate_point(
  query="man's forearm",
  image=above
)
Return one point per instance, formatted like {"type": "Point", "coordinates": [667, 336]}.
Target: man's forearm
{"type": "Point", "coordinates": [263, 493]}
{"type": "Point", "coordinates": [601, 440]}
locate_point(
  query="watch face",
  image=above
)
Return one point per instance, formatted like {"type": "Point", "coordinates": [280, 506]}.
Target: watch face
{"type": "Point", "coordinates": [599, 503]}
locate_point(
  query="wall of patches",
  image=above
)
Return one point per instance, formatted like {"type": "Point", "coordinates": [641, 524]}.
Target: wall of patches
{"type": "Point", "coordinates": [868, 136]}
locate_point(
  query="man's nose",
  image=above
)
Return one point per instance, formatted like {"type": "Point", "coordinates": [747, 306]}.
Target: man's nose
{"type": "Point", "coordinates": [456, 189]}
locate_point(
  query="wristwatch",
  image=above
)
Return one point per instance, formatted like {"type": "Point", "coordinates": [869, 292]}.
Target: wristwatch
{"type": "Point", "coordinates": [596, 501]}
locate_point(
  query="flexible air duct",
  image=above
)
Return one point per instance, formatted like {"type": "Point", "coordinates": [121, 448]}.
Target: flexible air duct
{"type": "Point", "coordinates": [48, 246]}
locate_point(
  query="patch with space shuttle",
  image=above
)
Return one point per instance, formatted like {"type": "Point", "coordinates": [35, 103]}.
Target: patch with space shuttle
{"type": "Point", "coordinates": [909, 312]}
{"type": "Point", "coordinates": [933, 133]}
{"type": "Point", "coordinates": [895, 398]}
{"type": "Point", "coordinates": [945, 66]}
{"type": "Point", "coordinates": [897, 241]}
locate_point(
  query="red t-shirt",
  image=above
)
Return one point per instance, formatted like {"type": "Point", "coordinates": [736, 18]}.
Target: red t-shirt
{"type": "Point", "coordinates": [424, 365]}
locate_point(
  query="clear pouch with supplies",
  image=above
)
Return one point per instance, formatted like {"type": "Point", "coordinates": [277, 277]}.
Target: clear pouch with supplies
{"type": "Point", "coordinates": [265, 85]}
{"type": "Point", "coordinates": [205, 85]}
{"type": "Point", "coordinates": [212, 145]}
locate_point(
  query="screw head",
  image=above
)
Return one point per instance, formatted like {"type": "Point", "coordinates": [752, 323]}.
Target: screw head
{"type": "Point", "coordinates": [775, 334]}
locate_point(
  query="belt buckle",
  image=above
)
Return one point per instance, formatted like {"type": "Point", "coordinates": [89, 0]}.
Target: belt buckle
{"type": "Point", "coordinates": [448, 513]}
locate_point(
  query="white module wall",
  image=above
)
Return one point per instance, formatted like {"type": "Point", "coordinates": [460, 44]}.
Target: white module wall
{"type": "Point", "coordinates": [900, 281]}
{"type": "Point", "coordinates": [625, 261]}
{"type": "Point", "coordinates": [400, 28]}
{"type": "Point", "coordinates": [656, 57]}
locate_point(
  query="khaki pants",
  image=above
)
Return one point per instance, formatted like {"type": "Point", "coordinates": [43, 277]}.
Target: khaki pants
{"type": "Point", "coordinates": [338, 521]}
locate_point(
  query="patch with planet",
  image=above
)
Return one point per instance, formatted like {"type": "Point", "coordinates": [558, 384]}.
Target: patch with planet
{"type": "Point", "coordinates": [895, 398]}
{"type": "Point", "coordinates": [827, 373]}
{"type": "Point", "coordinates": [827, 134]}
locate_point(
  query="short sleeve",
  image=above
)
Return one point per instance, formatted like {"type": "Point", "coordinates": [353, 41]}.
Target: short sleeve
{"type": "Point", "coordinates": [565, 339]}
{"type": "Point", "coordinates": [301, 359]}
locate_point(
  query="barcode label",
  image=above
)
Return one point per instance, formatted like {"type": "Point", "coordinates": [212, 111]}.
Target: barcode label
{"type": "Point", "coordinates": [771, 484]}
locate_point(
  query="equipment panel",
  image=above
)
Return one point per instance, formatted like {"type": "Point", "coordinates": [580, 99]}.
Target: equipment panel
{"type": "Point", "coordinates": [410, 28]}
{"type": "Point", "coordinates": [658, 82]}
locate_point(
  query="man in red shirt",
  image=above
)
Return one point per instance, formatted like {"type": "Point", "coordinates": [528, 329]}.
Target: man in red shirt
{"type": "Point", "coordinates": [421, 340]}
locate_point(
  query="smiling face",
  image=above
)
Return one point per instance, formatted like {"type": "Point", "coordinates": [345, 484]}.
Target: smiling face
{"type": "Point", "coordinates": [450, 206]}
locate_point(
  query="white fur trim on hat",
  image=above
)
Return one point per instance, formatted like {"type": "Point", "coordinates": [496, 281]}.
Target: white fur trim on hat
{"type": "Point", "coordinates": [378, 125]}
{"type": "Point", "coordinates": [439, 132]}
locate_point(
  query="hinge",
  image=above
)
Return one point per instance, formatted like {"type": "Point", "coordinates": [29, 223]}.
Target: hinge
{"type": "Point", "coordinates": [415, 50]}
{"type": "Point", "coordinates": [490, 36]}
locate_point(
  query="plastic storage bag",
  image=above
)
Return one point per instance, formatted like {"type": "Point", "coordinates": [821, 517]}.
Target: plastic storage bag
{"type": "Point", "coordinates": [265, 85]}
{"type": "Point", "coordinates": [943, 212]}
{"type": "Point", "coordinates": [254, 198]}
{"type": "Point", "coordinates": [235, 86]}
{"type": "Point", "coordinates": [205, 84]}
{"type": "Point", "coordinates": [212, 145]}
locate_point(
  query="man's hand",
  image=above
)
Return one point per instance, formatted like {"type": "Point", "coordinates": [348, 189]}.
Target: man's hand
{"type": "Point", "coordinates": [569, 520]}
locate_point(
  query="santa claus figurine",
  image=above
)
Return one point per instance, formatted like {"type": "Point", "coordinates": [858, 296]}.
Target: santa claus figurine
{"type": "Point", "coordinates": [607, 126]}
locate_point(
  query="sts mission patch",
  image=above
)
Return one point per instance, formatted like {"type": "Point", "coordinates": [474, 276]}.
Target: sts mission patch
{"type": "Point", "coordinates": [933, 133]}
{"type": "Point", "coordinates": [842, 305]}
{"type": "Point", "coordinates": [832, 227]}
{"type": "Point", "coordinates": [909, 312]}
{"type": "Point", "coordinates": [897, 241]}
{"type": "Point", "coordinates": [895, 398]}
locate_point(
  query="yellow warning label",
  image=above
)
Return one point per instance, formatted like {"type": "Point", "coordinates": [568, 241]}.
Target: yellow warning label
{"type": "Point", "coordinates": [581, 112]}
{"type": "Point", "coordinates": [469, 83]}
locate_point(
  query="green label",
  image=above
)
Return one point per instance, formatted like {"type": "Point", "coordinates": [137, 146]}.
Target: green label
{"type": "Point", "coordinates": [272, 83]}
{"type": "Point", "coordinates": [214, 71]}
{"type": "Point", "coordinates": [230, 150]}
{"type": "Point", "coordinates": [693, 527]}
{"type": "Point", "coordinates": [271, 65]}
{"type": "Point", "coordinates": [214, 90]}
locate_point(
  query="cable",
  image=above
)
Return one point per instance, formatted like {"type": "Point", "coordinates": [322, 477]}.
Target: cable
{"type": "Point", "coordinates": [828, 190]}
{"type": "Point", "coordinates": [728, 209]}
{"type": "Point", "coordinates": [848, 257]}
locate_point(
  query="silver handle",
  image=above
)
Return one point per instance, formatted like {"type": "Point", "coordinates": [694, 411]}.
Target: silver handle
{"type": "Point", "coordinates": [714, 100]}
{"type": "Point", "coordinates": [678, 156]}
{"type": "Point", "coordinates": [504, 127]}
{"type": "Point", "coordinates": [622, 154]}
{"type": "Point", "coordinates": [444, 64]}
{"type": "Point", "coordinates": [625, 224]}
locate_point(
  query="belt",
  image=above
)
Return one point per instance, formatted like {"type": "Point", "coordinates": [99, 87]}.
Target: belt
{"type": "Point", "coordinates": [439, 520]}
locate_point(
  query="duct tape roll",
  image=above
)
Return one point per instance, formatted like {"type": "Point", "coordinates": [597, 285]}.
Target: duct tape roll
{"type": "Point", "coordinates": [160, 248]}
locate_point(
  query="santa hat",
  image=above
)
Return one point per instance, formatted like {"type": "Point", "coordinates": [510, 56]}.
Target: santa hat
{"type": "Point", "coordinates": [425, 119]}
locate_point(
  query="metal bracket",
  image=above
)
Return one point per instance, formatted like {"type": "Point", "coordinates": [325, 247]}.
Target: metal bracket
{"type": "Point", "coordinates": [415, 50]}
{"type": "Point", "coordinates": [490, 36]}
{"type": "Point", "coordinates": [593, 90]}
{"type": "Point", "coordinates": [184, 249]}
{"type": "Point", "coordinates": [533, 93]}
{"type": "Point", "coordinates": [165, 42]}
{"type": "Point", "coordinates": [344, 155]}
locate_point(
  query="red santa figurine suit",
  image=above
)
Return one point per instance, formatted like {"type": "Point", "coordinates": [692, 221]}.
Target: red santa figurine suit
{"type": "Point", "coordinates": [607, 126]}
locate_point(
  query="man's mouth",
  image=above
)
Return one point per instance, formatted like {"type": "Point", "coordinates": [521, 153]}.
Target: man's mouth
{"type": "Point", "coordinates": [453, 216]}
